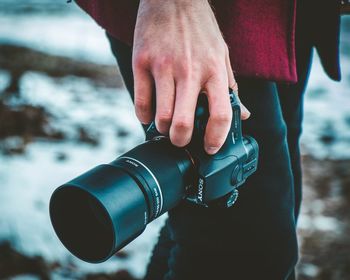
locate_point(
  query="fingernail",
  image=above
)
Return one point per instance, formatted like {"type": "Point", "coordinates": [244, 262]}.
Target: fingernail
{"type": "Point", "coordinates": [211, 150]}
{"type": "Point", "coordinates": [245, 111]}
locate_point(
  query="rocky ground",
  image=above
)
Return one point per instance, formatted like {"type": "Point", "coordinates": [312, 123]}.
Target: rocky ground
{"type": "Point", "coordinates": [325, 223]}
{"type": "Point", "coordinates": [29, 121]}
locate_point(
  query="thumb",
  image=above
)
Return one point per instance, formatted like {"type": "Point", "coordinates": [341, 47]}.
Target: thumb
{"type": "Point", "coordinates": [245, 114]}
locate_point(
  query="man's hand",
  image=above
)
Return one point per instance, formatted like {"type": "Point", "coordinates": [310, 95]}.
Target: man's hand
{"type": "Point", "coordinates": [179, 51]}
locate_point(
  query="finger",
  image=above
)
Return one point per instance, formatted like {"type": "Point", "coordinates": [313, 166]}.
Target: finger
{"type": "Point", "coordinates": [143, 87]}
{"type": "Point", "coordinates": [165, 96]}
{"type": "Point", "coordinates": [220, 115]}
{"type": "Point", "coordinates": [183, 118]}
{"type": "Point", "coordinates": [245, 114]}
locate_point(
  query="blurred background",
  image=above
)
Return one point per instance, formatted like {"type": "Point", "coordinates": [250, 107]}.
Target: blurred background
{"type": "Point", "coordinates": [64, 109]}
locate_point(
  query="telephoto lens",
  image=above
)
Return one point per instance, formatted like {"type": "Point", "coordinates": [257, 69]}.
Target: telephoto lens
{"type": "Point", "coordinates": [102, 210]}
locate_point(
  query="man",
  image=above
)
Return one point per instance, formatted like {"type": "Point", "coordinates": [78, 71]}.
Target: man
{"type": "Point", "coordinates": [183, 47]}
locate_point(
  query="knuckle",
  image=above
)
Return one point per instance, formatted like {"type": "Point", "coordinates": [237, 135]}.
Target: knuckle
{"type": "Point", "coordinates": [141, 106]}
{"type": "Point", "coordinates": [182, 123]}
{"type": "Point", "coordinates": [164, 117]}
{"type": "Point", "coordinates": [216, 61]}
{"type": "Point", "coordinates": [140, 59]}
{"type": "Point", "coordinates": [162, 62]}
{"type": "Point", "coordinates": [214, 66]}
{"type": "Point", "coordinates": [185, 69]}
{"type": "Point", "coordinates": [222, 117]}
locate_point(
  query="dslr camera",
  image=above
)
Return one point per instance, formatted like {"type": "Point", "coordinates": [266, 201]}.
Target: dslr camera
{"type": "Point", "coordinates": [99, 212]}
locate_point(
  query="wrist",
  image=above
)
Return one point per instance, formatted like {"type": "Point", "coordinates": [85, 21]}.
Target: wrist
{"type": "Point", "coordinates": [179, 3]}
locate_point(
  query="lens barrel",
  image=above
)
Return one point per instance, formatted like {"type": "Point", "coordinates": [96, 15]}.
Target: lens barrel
{"type": "Point", "coordinates": [102, 210]}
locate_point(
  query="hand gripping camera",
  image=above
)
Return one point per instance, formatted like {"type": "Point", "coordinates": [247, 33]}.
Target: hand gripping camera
{"type": "Point", "coordinates": [104, 209]}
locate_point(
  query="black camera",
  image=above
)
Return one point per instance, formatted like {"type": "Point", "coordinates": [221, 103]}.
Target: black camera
{"type": "Point", "coordinates": [104, 209]}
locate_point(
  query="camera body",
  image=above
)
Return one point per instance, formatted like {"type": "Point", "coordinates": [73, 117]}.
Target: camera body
{"type": "Point", "coordinates": [216, 178]}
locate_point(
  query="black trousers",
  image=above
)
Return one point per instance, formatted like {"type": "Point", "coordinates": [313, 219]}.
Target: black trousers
{"type": "Point", "coordinates": [256, 238]}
